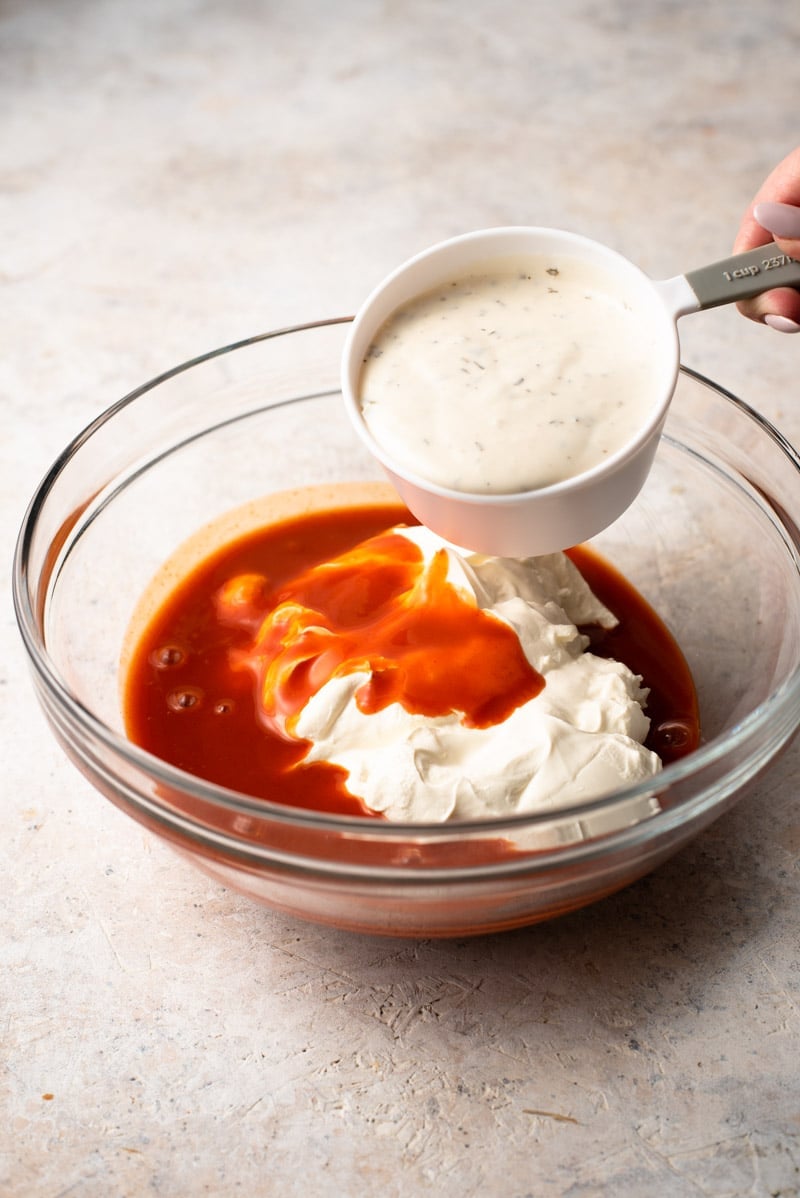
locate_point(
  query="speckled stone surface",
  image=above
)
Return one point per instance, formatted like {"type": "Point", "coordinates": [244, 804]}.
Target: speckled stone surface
{"type": "Point", "coordinates": [177, 176]}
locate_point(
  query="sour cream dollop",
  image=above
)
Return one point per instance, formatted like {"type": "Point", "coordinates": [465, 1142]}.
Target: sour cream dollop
{"type": "Point", "coordinates": [578, 735]}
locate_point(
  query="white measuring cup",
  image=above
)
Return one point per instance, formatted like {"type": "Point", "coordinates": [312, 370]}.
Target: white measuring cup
{"type": "Point", "coordinates": [556, 516]}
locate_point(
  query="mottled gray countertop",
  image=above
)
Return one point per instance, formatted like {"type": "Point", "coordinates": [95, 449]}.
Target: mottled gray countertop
{"type": "Point", "coordinates": [174, 177]}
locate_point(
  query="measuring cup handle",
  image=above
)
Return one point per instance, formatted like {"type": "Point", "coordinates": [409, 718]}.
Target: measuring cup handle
{"type": "Point", "coordinates": [743, 276]}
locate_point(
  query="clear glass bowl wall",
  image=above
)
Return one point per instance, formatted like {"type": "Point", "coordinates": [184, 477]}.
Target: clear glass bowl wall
{"type": "Point", "coordinates": [712, 542]}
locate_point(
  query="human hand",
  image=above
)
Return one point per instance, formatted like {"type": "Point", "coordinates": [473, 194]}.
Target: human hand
{"type": "Point", "coordinates": [775, 215]}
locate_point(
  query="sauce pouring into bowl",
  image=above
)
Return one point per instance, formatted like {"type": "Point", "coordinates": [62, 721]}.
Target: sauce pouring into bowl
{"type": "Point", "coordinates": [514, 382]}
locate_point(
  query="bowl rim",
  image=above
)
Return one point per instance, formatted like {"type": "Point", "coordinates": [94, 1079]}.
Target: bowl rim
{"type": "Point", "coordinates": [235, 802]}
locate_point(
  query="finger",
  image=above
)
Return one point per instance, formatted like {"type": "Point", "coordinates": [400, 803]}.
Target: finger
{"type": "Point", "coordinates": [751, 234]}
{"type": "Point", "coordinates": [768, 221]}
{"type": "Point", "coordinates": [775, 215]}
{"type": "Point", "coordinates": [781, 187]}
{"type": "Point", "coordinates": [779, 308]}
{"type": "Point", "coordinates": [783, 222]}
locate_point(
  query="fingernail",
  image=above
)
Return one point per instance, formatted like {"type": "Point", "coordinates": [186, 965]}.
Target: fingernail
{"type": "Point", "coordinates": [781, 220]}
{"type": "Point", "coordinates": [782, 323]}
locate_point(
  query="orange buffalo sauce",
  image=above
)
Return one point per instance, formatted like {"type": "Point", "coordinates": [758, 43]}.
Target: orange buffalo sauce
{"type": "Point", "coordinates": [374, 608]}
{"type": "Point", "coordinates": [232, 654]}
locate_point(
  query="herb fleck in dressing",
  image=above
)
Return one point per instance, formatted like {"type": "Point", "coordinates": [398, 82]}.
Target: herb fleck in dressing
{"type": "Point", "coordinates": [510, 379]}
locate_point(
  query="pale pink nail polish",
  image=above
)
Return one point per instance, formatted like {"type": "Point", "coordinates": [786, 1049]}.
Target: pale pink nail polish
{"type": "Point", "coordinates": [782, 323]}
{"type": "Point", "coordinates": [781, 220]}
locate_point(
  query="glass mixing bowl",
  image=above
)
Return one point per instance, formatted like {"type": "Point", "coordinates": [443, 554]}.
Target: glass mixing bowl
{"type": "Point", "coordinates": [712, 542]}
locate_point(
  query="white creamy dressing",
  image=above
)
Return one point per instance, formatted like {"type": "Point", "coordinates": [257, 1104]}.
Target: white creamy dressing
{"type": "Point", "coordinates": [525, 374]}
{"type": "Point", "coordinates": [579, 738]}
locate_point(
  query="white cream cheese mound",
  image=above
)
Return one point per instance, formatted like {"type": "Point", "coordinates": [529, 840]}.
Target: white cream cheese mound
{"type": "Point", "coordinates": [579, 738]}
